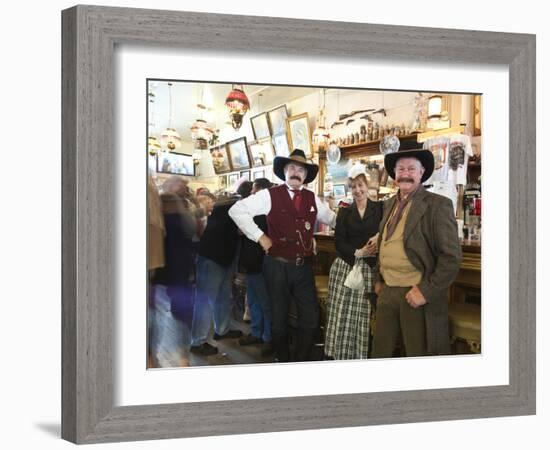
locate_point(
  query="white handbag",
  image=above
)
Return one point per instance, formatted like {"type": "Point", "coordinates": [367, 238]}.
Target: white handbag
{"type": "Point", "coordinates": [355, 280]}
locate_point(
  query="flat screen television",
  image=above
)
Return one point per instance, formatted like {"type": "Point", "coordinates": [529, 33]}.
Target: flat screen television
{"type": "Point", "coordinates": [175, 163]}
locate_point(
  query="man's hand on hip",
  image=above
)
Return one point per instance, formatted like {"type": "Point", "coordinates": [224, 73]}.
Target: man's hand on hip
{"type": "Point", "coordinates": [266, 242]}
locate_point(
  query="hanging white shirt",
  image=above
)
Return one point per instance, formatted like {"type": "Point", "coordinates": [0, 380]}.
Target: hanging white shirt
{"type": "Point", "coordinates": [244, 211]}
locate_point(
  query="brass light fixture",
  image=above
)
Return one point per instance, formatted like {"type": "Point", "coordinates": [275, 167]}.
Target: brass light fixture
{"type": "Point", "coordinates": [153, 145]}
{"type": "Point", "coordinates": [238, 104]}
{"type": "Point", "coordinates": [170, 137]}
{"type": "Point", "coordinates": [201, 132]}
{"type": "Point", "coordinates": [320, 134]}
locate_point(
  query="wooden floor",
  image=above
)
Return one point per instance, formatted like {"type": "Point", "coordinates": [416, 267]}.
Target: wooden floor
{"type": "Point", "coordinates": [174, 340]}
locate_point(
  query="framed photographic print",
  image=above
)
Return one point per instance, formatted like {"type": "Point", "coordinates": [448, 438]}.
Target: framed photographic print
{"type": "Point", "coordinates": [238, 153]}
{"type": "Point", "coordinates": [258, 174]}
{"type": "Point", "coordinates": [280, 145]}
{"type": "Point", "coordinates": [299, 133]}
{"type": "Point", "coordinates": [261, 152]}
{"type": "Point", "coordinates": [220, 159]}
{"type": "Point", "coordinates": [232, 178]}
{"type": "Point", "coordinates": [277, 119]}
{"type": "Point", "coordinates": [175, 163]}
{"type": "Point", "coordinates": [339, 190]}
{"type": "Point", "coordinates": [152, 162]}
{"type": "Point", "coordinates": [246, 174]}
{"type": "Point", "coordinates": [260, 126]}
{"type": "Point", "coordinates": [222, 182]}
{"type": "Point", "coordinates": [96, 393]}
{"type": "Point", "coordinates": [477, 115]}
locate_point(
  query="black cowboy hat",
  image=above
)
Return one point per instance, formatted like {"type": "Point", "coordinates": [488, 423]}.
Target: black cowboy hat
{"type": "Point", "coordinates": [410, 150]}
{"type": "Point", "coordinates": [297, 156]}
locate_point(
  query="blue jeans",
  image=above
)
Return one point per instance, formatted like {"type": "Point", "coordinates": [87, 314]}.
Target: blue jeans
{"type": "Point", "coordinates": [260, 306]}
{"type": "Point", "coordinates": [212, 300]}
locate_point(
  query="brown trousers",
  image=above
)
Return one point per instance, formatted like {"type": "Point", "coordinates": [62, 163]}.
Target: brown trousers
{"type": "Point", "coordinates": [395, 319]}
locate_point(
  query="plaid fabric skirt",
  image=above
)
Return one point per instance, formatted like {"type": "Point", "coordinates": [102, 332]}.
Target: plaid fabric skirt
{"type": "Point", "coordinates": [348, 313]}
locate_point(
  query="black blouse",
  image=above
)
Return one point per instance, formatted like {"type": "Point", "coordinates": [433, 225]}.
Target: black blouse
{"type": "Point", "coordinates": [353, 232]}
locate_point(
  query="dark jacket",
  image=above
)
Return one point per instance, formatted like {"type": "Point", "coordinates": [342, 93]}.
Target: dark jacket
{"type": "Point", "coordinates": [180, 226]}
{"type": "Point", "coordinates": [220, 239]}
{"type": "Point", "coordinates": [432, 246]}
{"type": "Point", "coordinates": [252, 254]}
{"type": "Point", "coordinates": [353, 232]}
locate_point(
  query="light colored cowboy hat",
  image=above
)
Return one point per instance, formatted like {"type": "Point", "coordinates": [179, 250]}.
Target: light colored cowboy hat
{"type": "Point", "coordinates": [297, 156]}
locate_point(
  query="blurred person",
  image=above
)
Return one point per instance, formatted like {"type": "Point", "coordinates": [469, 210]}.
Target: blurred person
{"type": "Point", "coordinates": [349, 310]}
{"type": "Point", "coordinates": [216, 264]}
{"type": "Point", "coordinates": [180, 224]}
{"type": "Point", "coordinates": [206, 202]}
{"type": "Point", "coordinates": [155, 261]}
{"type": "Point", "coordinates": [259, 303]}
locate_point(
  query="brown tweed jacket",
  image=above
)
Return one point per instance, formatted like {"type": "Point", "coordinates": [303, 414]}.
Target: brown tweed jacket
{"type": "Point", "coordinates": [432, 246]}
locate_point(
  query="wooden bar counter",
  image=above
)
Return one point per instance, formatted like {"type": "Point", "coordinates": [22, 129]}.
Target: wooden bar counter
{"type": "Point", "coordinates": [467, 284]}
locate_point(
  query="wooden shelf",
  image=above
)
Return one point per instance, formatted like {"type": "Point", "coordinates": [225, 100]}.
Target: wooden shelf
{"type": "Point", "coordinates": [366, 149]}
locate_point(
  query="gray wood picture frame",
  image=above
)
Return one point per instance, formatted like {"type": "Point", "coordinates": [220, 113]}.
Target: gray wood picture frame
{"type": "Point", "coordinates": [89, 37]}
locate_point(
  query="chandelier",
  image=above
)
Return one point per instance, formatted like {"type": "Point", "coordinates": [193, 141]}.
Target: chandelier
{"type": "Point", "coordinates": [170, 137]}
{"type": "Point", "coordinates": [153, 145]}
{"type": "Point", "coordinates": [201, 132]}
{"type": "Point", "coordinates": [238, 104]}
{"type": "Point", "coordinates": [320, 134]}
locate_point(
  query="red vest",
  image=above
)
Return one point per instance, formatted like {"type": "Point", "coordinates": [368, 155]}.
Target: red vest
{"type": "Point", "coordinates": [291, 231]}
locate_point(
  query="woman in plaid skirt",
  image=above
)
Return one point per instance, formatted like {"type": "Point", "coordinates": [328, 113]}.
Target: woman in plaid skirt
{"type": "Point", "coordinates": [348, 311]}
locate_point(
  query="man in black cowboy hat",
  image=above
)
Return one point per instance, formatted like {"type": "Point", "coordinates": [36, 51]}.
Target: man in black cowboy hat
{"type": "Point", "coordinates": [291, 213]}
{"type": "Point", "coordinates": [419, 258]}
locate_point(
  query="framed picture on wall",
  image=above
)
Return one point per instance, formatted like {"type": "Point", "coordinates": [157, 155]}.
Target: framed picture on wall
{"type": "Point", "coordinates": [277, 119]}
{"type": "Point", "coordinates": [232, 178]}
{"type": "Point", "coordinates": [477, 115]}
{"type": "Point", "coordinates": [260, 126]}
{"type": "Point", "coordinates": [220, 159]}
{"type": "Point", "coordinates": [339, 190]}
{"type": "Point", "coordinates": [238, 153]}
{"type": "Point", "coordinates": [258, 174]}
{"type": "Point", "coordinates": [222, 182]}
{"type": "Point", "coordinates": [261, 152]}
{"type": "Point", "coordinates": [93, 368]}
{"type": "Point", "coordinates": [299, 133]}
{"type": "Point", "coordinates": [246, 174]}
{"type": "Point", "coordinates": [280, 144]}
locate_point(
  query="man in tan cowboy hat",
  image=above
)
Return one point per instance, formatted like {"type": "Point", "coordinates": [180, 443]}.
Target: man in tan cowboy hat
{"type": "Point", "coordinates": [291, 213]}
{"type": "Point", "coordinates": [419, 258]}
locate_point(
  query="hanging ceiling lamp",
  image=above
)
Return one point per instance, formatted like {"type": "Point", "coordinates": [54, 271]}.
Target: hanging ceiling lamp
{"type": "Point", "coordinates": [238, 104]}
{"type": "Point", "coordinates": [153, 145]}
{"type": "Point", "coordinates": [201, 132]}
{"type": "Point", "coordinates": [320, 134]}
{"type": "Point", "coordinates": [170, 137]}
{"type": "Point", "coordinates": [333, 152]}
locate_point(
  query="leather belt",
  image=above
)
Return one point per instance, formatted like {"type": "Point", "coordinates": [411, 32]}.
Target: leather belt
{"type": "Point", "coordinates": [299, 261]}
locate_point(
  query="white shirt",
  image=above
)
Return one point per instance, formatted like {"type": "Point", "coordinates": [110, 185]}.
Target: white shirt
{"type": "Point", "coordinates": [244, 211]}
